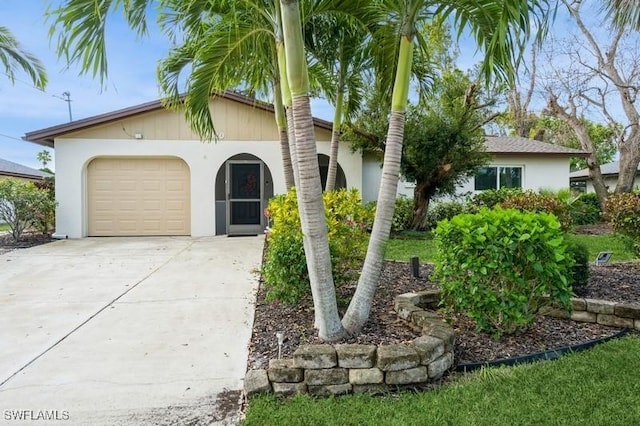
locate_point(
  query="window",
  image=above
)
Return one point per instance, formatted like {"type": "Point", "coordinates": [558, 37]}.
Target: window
{"type": "Point", "coordinates": [498, 177]}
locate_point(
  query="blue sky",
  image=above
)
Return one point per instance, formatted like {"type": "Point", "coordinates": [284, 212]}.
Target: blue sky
{"type": "Point", "coordinates": [131, 81]}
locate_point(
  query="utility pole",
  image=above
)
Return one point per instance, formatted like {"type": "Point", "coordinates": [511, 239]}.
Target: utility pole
{"type": "Point", "coordinates": [67, 99]}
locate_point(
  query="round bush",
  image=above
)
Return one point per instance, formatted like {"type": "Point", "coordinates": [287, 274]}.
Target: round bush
{"type": "Point", "coordinates": [498, 266]}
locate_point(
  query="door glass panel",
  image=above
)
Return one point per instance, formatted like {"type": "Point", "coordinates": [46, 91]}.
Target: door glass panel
{"type": "Point", "coordinates": [245, 181]}
{"type": "Point", "coordinates": [245, 213]}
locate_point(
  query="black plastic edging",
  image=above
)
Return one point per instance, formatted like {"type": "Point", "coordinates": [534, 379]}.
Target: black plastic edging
{"type": "Point", "coordinates": [539, 356]}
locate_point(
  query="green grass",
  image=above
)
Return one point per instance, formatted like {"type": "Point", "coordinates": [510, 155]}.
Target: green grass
{"type": "Point", "coordinates": [403, 249]}
{"type": "Point", "coordinates": [4, 227]}
{"type": "Point", "coordinates": [596, 387]}
{"type": "Point", "coordinates": [598, 243]}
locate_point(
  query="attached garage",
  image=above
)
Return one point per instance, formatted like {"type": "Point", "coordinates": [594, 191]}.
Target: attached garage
{"type": "Point", "coordinates": [129, 196]}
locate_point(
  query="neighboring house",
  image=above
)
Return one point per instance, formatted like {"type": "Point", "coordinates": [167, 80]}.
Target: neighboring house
{"type": "Point", "coordinates": [9, 169]}
{"type": "Point", "coordinates": [142, 171]}
{"type": "Point", "coordinates": [518, 162]}
{"type": "Point", "coordinates": [581, 181]}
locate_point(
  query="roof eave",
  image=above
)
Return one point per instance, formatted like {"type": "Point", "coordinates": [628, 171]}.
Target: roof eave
{"type": "Point", "coordinates": [46, 137]}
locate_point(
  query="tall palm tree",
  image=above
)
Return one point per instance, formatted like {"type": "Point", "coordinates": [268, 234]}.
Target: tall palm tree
{"type": "Point", "coordinates": [338, 48]}
{"type": "Point", "coordinates": [216, 52]}
{"type": "Point", "coordinates": [13, 57]}
{"type": "Point", "coordinates": [501, 29]}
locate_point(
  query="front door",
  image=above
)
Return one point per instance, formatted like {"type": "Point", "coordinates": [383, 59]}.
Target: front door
{"type": "Point", "coordinates": [244, 197]}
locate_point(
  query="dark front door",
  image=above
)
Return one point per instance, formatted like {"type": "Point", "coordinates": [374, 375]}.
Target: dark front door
{"type": "Point", "coordinates": [244, 198]}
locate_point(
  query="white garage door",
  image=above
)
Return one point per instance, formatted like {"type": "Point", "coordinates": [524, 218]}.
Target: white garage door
{"type": "Point", "coordinates": [138, 196]}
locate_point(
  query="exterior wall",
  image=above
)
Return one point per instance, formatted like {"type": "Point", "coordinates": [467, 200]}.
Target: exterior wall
{"type": "Point", "coordinates": [611, 182]}
{"type": "Point", "coordinates": [539, 172]}
{"type": "Point", "coordinates": [204, 160]}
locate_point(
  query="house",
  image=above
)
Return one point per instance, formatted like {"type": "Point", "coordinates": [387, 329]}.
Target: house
{"type": "Point", "coordinates": [142, 171]}
{"type": "Point", "coordinates": [9, 169]}
{"type": "Point", "coordinates": [581, 181]}
{"type": "Point", "coordinates": [518, 162]}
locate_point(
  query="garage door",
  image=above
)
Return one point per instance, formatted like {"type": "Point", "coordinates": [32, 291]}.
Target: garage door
{"type": "Point", "coordinates": [138, 196]}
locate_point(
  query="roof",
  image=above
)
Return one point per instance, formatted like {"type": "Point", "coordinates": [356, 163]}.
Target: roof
{"type": "Point", "coordinates": [9, 168]}
{"type": "Point", "coordinates": [520, 145]}
{"type": "Point", "coordinates": [612, 168]}
{"type": "Point", "coordinates": [47, 136]}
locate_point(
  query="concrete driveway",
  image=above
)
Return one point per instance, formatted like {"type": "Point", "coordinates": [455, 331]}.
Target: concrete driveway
{"type": "Point", "coordinates": [126, 330]}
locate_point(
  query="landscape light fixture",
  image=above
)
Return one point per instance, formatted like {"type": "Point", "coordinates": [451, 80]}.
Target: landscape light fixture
{"type": "Point", "coordinates": [603, 257]}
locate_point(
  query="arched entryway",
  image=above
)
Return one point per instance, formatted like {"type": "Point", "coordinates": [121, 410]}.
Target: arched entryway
{"type": "Point", "coordinates": [243, 187]}
{"type": "Point", "coordinates": [323, 162]}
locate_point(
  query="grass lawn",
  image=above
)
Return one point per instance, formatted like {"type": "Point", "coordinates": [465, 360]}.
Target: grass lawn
{"type": "Point", "coordinates": [425, 249]}
{"type": "Point", "coordinates": [596, 387]}
{"type": "Point", "coordinates": [4, 227]}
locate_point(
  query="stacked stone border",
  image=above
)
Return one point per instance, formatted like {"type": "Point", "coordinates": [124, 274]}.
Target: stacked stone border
{"type": "Point", "coordinates": [325, 370]}
{"type": "Point", "coordinates": [621, 315]}
{"type": "Point", "coordinates": [352, 368]}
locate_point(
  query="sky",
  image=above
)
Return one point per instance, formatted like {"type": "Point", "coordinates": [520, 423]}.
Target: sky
{"type": "Point", "coordinates": [131, 79]}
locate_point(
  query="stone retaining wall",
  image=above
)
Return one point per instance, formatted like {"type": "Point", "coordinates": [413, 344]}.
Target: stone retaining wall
{"type": "Point", "coordinates": [353, 368]}
{"type": "Point", "coordinates": [622, 315]}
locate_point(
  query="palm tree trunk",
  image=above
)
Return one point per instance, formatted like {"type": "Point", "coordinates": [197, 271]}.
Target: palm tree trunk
{"type": "Point", "coordinates": [281, 121]}
{"type": "Point", "coordinates": [335, 139]}
{"type": "Point", "coordinates": [360, 306]}
{"type": "Point", "coordinates": [309, 188]}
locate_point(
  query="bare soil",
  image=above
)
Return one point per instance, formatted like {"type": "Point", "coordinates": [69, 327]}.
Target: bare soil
{"type": "Point", "coordinates": [28, 239]}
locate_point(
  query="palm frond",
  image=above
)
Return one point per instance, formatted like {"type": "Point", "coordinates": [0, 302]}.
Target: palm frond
{"type": "Point", "coordinates": [13, 57]}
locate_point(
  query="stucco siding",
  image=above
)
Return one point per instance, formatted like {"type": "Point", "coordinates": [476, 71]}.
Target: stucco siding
{"type": "Point", "coordinates": [204, 161]}
{"type": "Point", "coordinates": [539, 172]}
{"type": "Point", "coordinates": [233, 121]}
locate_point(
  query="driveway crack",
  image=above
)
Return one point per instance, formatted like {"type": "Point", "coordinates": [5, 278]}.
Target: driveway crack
{"type": "Point", "coordinates": [82, 324]}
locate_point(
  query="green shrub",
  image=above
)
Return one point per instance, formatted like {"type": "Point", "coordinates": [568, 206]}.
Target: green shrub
{"type": "Point", "coordinates": [402, 215]}
{"type": "Point", "coordinates": [441, 211]}
{"type": "Point", "coordinates": [584, 213]}
{"type": "Point", "coordinates": [580, 270]}
{"type": "Point", "coordinates": [623, 212]}
{"type": "Point", "coordinates": [285, 268]}
{"type": "Point", "coordinates": [491, 197]}
{"type": "Point", "coordinates": [496, 266]}
{"type": "Point", "coordinates": [529, 201]}
{"type": "Point", "coordinates": [23, 205]}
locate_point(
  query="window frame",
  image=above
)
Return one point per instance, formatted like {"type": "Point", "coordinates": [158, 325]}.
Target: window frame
{"type": "Point", "coordinates": [498, 173]}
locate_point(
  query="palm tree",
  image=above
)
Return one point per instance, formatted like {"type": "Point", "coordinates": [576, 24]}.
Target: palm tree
{"type": "Point", "coordinates": [13, 57]}
{"type": "Point", "coordinates": [625, 13]}
{"type": "Point", "coordinates": [44, 157]}
{"type": "Point", "coordinates": [339, 51]}
{"type": "Point", "coordinates": [216, 51]}
{"type": "Point", "coordinates": [501, 28]}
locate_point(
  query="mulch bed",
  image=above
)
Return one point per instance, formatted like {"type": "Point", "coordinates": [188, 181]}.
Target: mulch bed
{"type": "Point", "coordinates": [26, 240]}
{"type": "Point", "coordinates": [618, 282]}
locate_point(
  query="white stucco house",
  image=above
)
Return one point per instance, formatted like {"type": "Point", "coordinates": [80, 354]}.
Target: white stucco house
{"type": "Point", "coordinates": [142, 171]}
{"type": "Point", "coordinates": [518, 162]}
{"type": "Point", "coordinates": [580, 179]}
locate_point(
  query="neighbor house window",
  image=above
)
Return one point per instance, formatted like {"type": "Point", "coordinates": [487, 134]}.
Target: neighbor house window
{"type": "Point", "coordinates": [498, 177]}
